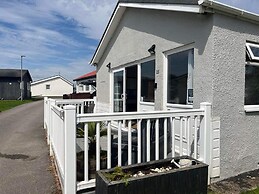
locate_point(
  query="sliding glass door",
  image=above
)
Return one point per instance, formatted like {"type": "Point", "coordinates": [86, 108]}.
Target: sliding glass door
{"type": "Point", "coordinates": [118, 91]}
{"type": "Point", "coordinates": [125, 89]}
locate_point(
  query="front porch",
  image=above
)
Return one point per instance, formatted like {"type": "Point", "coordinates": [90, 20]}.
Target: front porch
{"type": "Point", "coordinates": [131, 137]}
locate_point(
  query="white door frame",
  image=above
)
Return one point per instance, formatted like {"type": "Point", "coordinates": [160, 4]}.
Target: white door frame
{"type": "Point", "coordinates": [123, 68]}
{"type": "Point", "coordinates": [124, 89]}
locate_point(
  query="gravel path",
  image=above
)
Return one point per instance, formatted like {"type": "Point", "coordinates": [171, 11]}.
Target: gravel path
{"type": "Point", "coordinates": [24, 160]}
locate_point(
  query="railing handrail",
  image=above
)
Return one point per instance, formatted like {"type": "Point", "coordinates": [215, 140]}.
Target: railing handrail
{"type": "Point", "coordinates": [71, 101]}
{"type": "Point", "coordinates": [96, 117]}
{"type": "Point", "coordinates": [59, 111]}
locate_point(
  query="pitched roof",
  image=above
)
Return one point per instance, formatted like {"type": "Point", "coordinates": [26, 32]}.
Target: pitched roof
{"type": "Point", "coordinates": [85, 76]}
{"type": "Point", "coordinates": [51, 78]}
{"type": "Point", "coordinates": [14, 73]}
{"type": "Point", "coordinates": [193, 6]}
{"type": "Point", "coordinates": [189, 2]}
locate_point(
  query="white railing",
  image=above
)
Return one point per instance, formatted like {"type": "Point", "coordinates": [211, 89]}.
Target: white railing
{"type": "Point", "coordinates": [60, 123]}
{"type": "Point", "coordinates": [133, 137]}
{"type": "Point", "coordinates": [82, 105]}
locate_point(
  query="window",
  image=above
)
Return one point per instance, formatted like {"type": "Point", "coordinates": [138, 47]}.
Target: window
{"type": "Point", "coordinates": [147, 81]}
{"type": "Point", "coordinates": [80, 88]}
{"type": "Point", "coordinates": [180, 77]}
{"type": "Point", "coordinates": [252, 51]}
{"type": "Point", "coordinates": [252, 74]}
{"type": "Point", "coordinates": [47, 87]}
{"type": "Point", "coordinates": [28, 86]}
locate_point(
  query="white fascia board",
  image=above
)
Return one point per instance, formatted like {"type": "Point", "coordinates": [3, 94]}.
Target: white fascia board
{"type": "Point", "coordinates": [108, 33]}
{"type": "Point", "coordinates": [64, 79]}
{"type": "Point", "coordinates": [165, 7]}
{"type": "Point", "coordinates": [251, 53]}
{"type": "Point", "coordinates": [229, 9]}
{"type": "Point", "coordinates": [44, 80]}
{"type": "Point", "coordinates": [51, 78]}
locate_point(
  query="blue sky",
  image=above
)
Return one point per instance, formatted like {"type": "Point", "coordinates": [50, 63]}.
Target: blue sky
{"type": "Point", "coordinates": [59, 36]}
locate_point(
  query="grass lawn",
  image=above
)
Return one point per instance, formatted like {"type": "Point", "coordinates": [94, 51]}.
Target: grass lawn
{"type": "Point", "coordinates": [8, 104]}
{"type": "Point", "coordinates": [256, 191]}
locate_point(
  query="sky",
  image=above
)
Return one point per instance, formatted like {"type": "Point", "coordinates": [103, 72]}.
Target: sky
{"type": "Point", "coordinates": [59, 36]}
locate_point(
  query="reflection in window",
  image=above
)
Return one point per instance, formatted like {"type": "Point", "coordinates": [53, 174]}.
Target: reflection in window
{"type": "Point", "coordinates": [180, 77]}
{"type": "Point", "coordinates": [147, 81]}
{"type": "Point", "coordinates": [252, 85]}
{"type": "Point", "coordinates": [118, 92]}
{"type": "Point", "coordinates": [252, 74]}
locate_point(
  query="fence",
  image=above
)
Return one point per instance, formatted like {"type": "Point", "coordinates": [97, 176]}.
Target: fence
{"type": "Point", "coordinates": [133, 137]}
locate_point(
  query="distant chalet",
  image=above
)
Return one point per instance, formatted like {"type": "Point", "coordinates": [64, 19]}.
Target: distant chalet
{"type": "Point", "coordinates": [10, 80]}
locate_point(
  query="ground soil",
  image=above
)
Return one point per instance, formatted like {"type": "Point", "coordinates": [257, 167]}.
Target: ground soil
{"type": "Point", "coordinates": [238, 184]}
{"type": "Point", "coordinates": [54, 172]}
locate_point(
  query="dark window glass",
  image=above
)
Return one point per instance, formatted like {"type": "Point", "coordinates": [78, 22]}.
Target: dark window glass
{"type": "Point", "coordinates": [178, 78]}
{"type": "Point", "coordinates": [47, 86]}
{"type": "Point", "coordinates": [147, 81]}
{"type": "Point", "coordinates": [255, 51]}
{"type": "Point", "coordinates": [252, 85]}
{"type": "Point", "coordinates": [118, 91]}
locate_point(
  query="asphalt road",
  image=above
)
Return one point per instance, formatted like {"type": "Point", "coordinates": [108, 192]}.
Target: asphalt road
{"type": "Point", "coordinates": [24, 159]}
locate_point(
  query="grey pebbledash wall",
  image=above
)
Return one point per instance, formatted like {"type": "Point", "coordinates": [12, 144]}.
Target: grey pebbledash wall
{"type": "Point", "coordinates": [140, 28]}
{"type": "Point", "coordinates": [239, 138]}
{"type": "Point", "coordinates": [219, 71]}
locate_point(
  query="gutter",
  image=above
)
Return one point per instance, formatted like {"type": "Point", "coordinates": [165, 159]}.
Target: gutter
{"type": "Point", "coordinates": [229, 9]}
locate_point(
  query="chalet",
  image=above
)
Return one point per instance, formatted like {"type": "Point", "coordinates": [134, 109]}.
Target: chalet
{"type": "Point", "coordinates": [54, 87]}
{"type": "Point", "coordinates": [175, 54]}
{"type": "Point", "coordinates": [86, 83]}
{"type": "Point", "coordinates": [10, 84]}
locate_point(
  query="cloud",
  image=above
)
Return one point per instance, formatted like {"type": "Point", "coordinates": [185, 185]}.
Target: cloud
{"type": "Point", "coordinates": [90, 15]}
{"type": "Point", "coordinates": [56, 36]}
{"type": "Point", "coordinates": [60, 35]}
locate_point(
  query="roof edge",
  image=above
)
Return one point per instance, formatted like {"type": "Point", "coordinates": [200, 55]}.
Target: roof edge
{"type": "Point", "coordinates": [200, 8]}
{"type": "Point", "coordinates": [229, 9]}
{"type": "Point", "coordinates": [119, 11]}
{"type": "Point", "coordinates": [85, 76]}
{"type": "Point", "coordinates": [51, 78]}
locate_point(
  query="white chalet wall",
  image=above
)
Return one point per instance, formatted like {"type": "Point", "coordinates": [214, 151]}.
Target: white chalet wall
{"type": "Point", "coordinates": [58, 87]}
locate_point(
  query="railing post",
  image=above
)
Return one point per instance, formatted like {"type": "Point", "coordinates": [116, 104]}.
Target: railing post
{"type": "Point", "coordinates": [51, 125]}
{"type": "Point", "coordinates": [50, 121]}
{"type": "Point", "coordinates": [70, 149]}
{"type": "Point", "coordinates": [94, 98]}
{"type": "Point", "coordinates": [45, 112]}
{"type": "Point", "coordinates": [206, 135]}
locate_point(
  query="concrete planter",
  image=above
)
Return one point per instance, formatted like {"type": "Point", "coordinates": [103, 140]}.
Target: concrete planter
{"type": "Point", "coordinates": [192, 179]}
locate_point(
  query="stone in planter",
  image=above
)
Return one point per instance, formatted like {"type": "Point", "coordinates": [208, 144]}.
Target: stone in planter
{"type": "Point", "coordinates": [191, 179]}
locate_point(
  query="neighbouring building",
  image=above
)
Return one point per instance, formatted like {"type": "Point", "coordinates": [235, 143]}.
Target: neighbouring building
{"type": "Point", "coordinates": [10, 84]}
{"type": "Point", "coordinates": [86, 83]}
{"type": "Point", "coordinates": [54, 87]}
{"type": "Point", "coordinates": [175, 54]}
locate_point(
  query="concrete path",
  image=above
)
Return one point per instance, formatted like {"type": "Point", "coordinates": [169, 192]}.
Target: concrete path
{"type": "Point", "coordinates": [24, 159]}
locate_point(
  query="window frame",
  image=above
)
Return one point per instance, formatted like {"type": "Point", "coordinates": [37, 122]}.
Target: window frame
{"type": "Point", "coordinates": [123, 67]}
{"type": "Point", "coordinates": [250, 52]}
{"type": "Point", "coordinates": [251, 108]}
{"type": "Point", "coordinates": [47, 86]}
{"type": "Point", "coordinates": [166, 54]}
